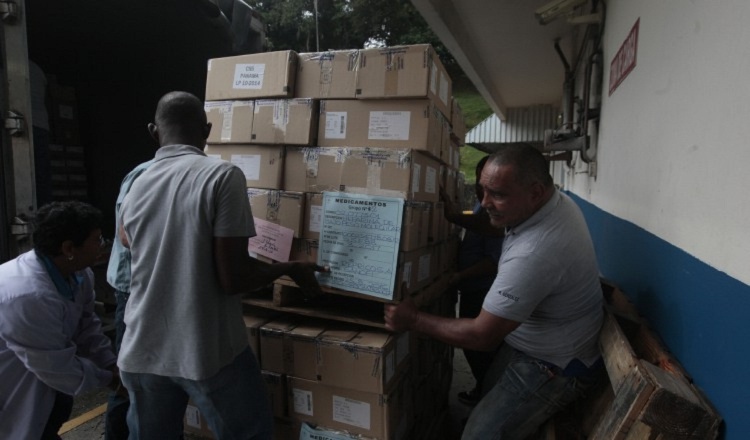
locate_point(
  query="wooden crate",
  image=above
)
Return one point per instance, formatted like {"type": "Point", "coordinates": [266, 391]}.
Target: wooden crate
{"type": "Point", "coordinates": [647, 394]}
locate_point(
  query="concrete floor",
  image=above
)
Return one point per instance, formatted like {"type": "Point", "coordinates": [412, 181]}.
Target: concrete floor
{"type": "Point", "coordinates": [94, 428]}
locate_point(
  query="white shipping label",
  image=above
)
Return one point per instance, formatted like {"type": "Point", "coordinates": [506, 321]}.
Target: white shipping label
{"type": "Point", "coordinates": [303, 402]}
{"type": "Point", "coordinates": [193, 417]}
{"type": "Point", "coordinates": [415, 177]}
{"type": "Point", "coordinates": [316, 214]}
{"type": "Point", "coordinates": [249, 164]}
{"type": "Point", "coordinates": [352, 412]}
{"type": "Point", "coordinates": [335, 125]}
{"type": "Point", "coordinates": [248, 76]}
{"type": "Point", "coordinates": [430, 180]}
{"type": "Point", "coordinates": [424, 267]}
{"type": "Point", "coordinates": [389, 126]}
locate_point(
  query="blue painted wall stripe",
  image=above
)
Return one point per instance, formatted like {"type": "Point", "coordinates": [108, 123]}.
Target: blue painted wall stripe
{"type": "Point", "coordinates": [699, 312]}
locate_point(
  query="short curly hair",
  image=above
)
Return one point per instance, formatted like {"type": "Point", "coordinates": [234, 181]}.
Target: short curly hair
{"type": "Point", "coordinates": [57, 222]}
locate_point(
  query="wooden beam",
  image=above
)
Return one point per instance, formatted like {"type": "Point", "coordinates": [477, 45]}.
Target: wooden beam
{"type": "Point", "coordinates": [83, 418]}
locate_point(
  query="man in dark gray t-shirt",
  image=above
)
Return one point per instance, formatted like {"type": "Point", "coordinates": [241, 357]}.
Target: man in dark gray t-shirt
{"type": "Point", "coordinates": [544, 309]}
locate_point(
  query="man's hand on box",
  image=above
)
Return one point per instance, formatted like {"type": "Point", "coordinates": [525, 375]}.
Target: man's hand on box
{"type": "Point", "coordinates": [401, 317]}
{"type": "Point", "coordinates": [303, 274]}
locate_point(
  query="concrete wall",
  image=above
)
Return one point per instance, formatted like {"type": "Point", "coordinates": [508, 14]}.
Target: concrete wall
{"type": "Point", "coordinates": [667, 207]}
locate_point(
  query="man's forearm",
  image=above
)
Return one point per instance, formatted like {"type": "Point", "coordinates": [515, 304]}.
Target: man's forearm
{"type": "Point", "coordinates": [458, 332]}
{"type": "Point", "coordinates": [261, 274]}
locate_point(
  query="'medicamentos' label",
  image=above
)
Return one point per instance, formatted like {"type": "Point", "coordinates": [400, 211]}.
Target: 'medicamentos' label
{"type": "Point", "coordinates": [359, 240]}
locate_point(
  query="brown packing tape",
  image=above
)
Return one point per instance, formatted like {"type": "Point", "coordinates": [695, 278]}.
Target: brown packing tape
{"type": "Point", "coordinates": [273, 204]}
{"type": "Point", "coordinates": [353, 63]}
{"type": "Point", "coordinates": [394, 64]}
{"type": "Point", "coordinates": [311, 156]}
{"type": "Point", "coordinates": [325, 61]}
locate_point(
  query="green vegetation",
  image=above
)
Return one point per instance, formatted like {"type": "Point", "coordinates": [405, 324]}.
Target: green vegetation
{"type": "Point", "coordinates": [475, 110]}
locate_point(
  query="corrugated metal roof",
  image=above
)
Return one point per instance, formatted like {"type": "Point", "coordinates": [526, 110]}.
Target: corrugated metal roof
{"type": "Point", "coordinates": [524, 124]}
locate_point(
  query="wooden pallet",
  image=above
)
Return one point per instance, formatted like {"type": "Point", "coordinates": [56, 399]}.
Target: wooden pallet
{"type": "Point", "coordinates": [338, 305]}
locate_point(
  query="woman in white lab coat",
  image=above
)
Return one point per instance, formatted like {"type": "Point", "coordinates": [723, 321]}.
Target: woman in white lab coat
{"type": "Point", "coordinates": [51, 342]}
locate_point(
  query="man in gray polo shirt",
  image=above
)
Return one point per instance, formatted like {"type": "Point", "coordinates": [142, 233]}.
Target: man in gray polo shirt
{"type": "Point", "coordinates": [543, 311]}
{"type": "Point", "coordinates": [187, 220]}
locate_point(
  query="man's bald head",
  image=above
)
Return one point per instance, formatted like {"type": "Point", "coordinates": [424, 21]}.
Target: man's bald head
{"type": "Point", "coordinates": [180, 119]}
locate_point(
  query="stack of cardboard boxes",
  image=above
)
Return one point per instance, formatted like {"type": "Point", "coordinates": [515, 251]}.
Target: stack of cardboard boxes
{"type": "Point", "coordinates": [66, 154]}
{"type": "Point", "coordinates": [378, 122]}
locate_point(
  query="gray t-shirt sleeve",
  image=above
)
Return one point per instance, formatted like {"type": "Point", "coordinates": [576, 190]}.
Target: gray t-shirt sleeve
{"type": "Point", "coordinates": [233, 215]}
{"type": "Point", "coordinates": [522, 282]}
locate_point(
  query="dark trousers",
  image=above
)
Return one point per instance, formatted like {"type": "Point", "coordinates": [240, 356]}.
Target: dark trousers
{"type": "Point", "coordinates": [115, 420]}
{"type": "Point", "coordinates": [479, 361]}
{"type": "Point", "coordinates": [60, 414]}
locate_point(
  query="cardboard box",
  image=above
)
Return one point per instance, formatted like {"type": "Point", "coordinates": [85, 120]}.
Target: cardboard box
{"type": "Point", "coordinates": [292, 343]}
{"type": "Point", "coordinates": [364, 360]}
{"type": "Point", "coordinates": [285, 121]}
{"type": "Point", "coordinates": [231, 121]}
{"type": "Point", "coordinates": [458, 124]}
{"type": "Point", "coordinates": [413, 71]}
{"type": "Point", "coordinates": [277, 393]}
{"type": "Point", "coordinates": [274, 354]}
{"type": "Point", "coordinates": [254, 320]}
{"type": "Point", "coordinates": [327, 75]}
{"type": "Point", "coordinates": [416, 270]}
{"type": "Point", "coordinates": [313, 216]}
{"type": "Point", "coordinates": [357, 412]}
{"type": "Point", "coordinates": [449, 182]}
{"type": "Point", "coordinates": [405, 173]}
{"type": "Point", "coordinates": [253, 76]}
{"type": "Point", "coordinates": [445, 140]}
{"type": "Point", "coordinates": [407, 123]}
{"type": "Point", "coordinates": [438, 223]}
{"type": "Point", "coordinates": [284, 208]}
{"type": "Point", "coordinates": [415, 225]}
{"type": "Point", "coordinates": [263, 165]}
{"type": "Point", "coordinates": [303, 344]}
{"type": "Point", "coordinates": [455, 155]}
